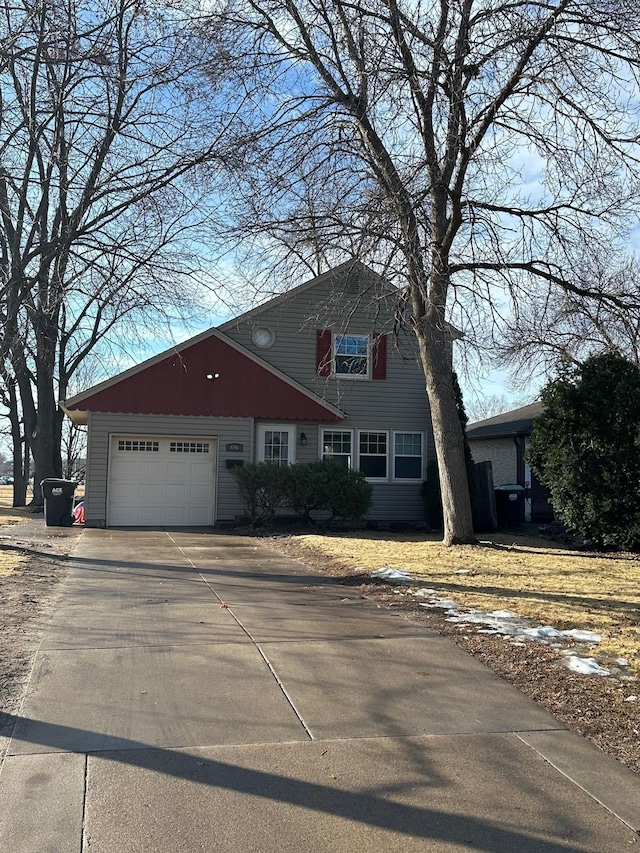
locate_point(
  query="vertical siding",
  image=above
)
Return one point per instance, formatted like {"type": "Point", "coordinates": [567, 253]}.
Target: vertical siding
{"type": "Point", "coordinates": [226, 430]}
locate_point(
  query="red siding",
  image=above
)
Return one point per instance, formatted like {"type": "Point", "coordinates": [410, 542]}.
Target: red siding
{"type": "Point", "coordinates": [323, 352]}
{"type": "Point", "coordinates": [178, 385]}
{"type": "Point", "coordinates": [379, 370]}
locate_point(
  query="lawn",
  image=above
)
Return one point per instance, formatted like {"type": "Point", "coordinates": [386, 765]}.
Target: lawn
{"type": "Point", "coordinates": [548, 584]}
{"type": "Point", "coordinates": [10, 515]}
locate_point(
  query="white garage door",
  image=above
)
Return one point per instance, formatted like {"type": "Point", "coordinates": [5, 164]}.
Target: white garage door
{"type": "Point", "coordinates": [161, 481]}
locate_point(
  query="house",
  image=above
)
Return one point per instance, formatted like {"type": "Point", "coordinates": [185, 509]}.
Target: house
{"type": "Point", "coordinates": [503, 441]}
{"type": "Point", "coordinates": [317, 372]}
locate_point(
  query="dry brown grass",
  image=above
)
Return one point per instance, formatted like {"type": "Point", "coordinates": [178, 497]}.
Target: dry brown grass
{"type": "Point", "coordinates": [549, 585]}
{"type": "Point", "coordinates": [10, 515]}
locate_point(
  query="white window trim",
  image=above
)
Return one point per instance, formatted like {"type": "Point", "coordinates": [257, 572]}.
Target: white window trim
{"type": "Point", "coordinates": [395, 479]}
{"type": "Point", "coordinates": [360, 377]}
{"type": "Point", "coordinates": [388, 455]}
{"type": "Point", "coordinates": [337, 429]}
{"type": "Point", "coordinates": [291, 429]}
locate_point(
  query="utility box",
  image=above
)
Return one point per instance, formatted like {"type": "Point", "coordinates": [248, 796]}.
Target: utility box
{"type": "Point", "coordinates": [58, 501]}
{"type": "Point", "coordinates": [510, 505]}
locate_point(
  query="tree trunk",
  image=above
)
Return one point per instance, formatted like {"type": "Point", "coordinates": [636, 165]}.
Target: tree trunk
{"type": "Point", "coordinates": [447, 432]}
{"type": "Point", "coordinates": [46, 455]}
{"type": "Point", "coordinates": [19, 450]}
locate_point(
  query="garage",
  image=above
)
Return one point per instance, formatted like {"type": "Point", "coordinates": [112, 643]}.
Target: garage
{"type": "Point", "coordinates": [165, 481]}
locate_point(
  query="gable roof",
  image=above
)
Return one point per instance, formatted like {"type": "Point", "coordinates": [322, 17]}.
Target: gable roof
{"type": "Point", "coordinates": [209, 375]}
{"type": "Point", "coordinates": [335, 274]}
{"type": "Point", "coordinates": [342, 271]}
{"type": "Point", "coordinates": [515, 422]}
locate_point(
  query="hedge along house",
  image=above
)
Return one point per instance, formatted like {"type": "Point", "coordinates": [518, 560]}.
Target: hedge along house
{"type": "Point", "coordinates": [317, 372]}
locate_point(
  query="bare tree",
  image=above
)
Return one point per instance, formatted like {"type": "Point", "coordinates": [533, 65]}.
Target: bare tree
{"type": "Point", "coordinates": [105, 117]}
{"type": "Point", "coordinates": [554, 330]}
{"type": "Point", "coordinates": [462, 148]}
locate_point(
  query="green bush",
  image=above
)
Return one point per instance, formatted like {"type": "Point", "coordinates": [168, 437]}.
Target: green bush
{"type": "Point", "coordinates": [305, 488]}
{"type": "Point", "coordinates": [308, 488]}
{"type": "Point", "coordinates": [262, 489]}
{"type": "Point", "coordinates": [586, 449]}
{"type": "Point", "coordinates": [349, 498]}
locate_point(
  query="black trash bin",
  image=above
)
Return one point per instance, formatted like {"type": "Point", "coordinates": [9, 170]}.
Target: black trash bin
{"type": "Point", "coordinates": [58, 502]}
{"type": "Point", "coordinates": [510, 505]}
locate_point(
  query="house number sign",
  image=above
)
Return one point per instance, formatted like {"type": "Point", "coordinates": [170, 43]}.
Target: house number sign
{"type": "Point", "coordinates": [234, 447]}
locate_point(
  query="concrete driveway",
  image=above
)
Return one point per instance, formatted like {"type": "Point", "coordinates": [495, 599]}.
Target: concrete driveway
{"type": "Point", "coordinates": [197, 692]}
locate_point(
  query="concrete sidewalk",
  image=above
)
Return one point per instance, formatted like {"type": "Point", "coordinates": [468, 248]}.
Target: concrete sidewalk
{"type": "Point", "coordinates": [197, 692]}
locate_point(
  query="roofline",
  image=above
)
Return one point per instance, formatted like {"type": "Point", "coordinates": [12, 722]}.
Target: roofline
{"type": "Point", "coordinates": [300, 288]}
{"type": "Point", "coordinates": [511, 434]}
{"type": "Point", "coordinates": [454, 333]}
{"type": "Point", "coordinates": [138, 368]}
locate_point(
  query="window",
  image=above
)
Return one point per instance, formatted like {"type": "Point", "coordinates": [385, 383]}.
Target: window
{"type": "Point", "coordinates": [354, 356]}
{"type": "Point", "coordinates": [137, 446]}
{"type": "Point", "coordinates": [336, 445]}
{"type": "Point", "coordinates": [407, 456]}
{"type": "Point", "coordinates": [372, 455]}
{"type": "Point", "coordinates": [351, 357]}
{"type": "Point", "coordinates": [189, 447]}
{"type": "Point", "coordinates": [276, 444]}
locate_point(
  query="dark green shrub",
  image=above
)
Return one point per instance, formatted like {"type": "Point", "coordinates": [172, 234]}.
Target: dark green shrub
{"type": "Point", "coordinates": [349, 497]}
{"type": "Point", "coordinates": [307, 487]}
{"type": "Point", "coordinates": [586, 449]}
{"type": "Point", "coordinates": [263, 488]}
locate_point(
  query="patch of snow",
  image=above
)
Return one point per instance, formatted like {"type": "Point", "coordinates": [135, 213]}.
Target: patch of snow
{"type": "Point", "coordinates": [584, 666]}
{"type": "Point", "coordinates": [509, 624]}
{"type": "Point", "coordinates": [631, 698]}
{"type": "Point", "coordinates": [583, 636]}
{"type": "Point", "coordinates": [444, 603]}
{"type": "Point", "coordinates": [392, 574]}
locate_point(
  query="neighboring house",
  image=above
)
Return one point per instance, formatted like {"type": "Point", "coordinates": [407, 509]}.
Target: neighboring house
{"type": "Point", "coordinates": [503, 441]}
{"type": "Point", "coordinates": [318, 372]}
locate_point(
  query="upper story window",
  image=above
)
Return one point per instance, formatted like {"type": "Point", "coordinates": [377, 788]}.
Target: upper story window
{"type": "Point", "coordinates": [351, 355]}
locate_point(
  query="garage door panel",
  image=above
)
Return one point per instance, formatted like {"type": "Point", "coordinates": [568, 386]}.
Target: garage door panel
{"type": "Point", "coordinates": [176, 514]}
{"type": "Point", "coordinates": [180, 492]}
{"type": "Point", "coordinates": [122, 493]}
{"type": "Point", "coordinates": [198, 492]}
{"type": "Point", "coordinates": [148, 493]}
{"type": "Point", "coordinates": [161, 481]}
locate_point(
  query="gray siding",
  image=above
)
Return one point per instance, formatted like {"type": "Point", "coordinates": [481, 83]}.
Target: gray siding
{"type": "Point", "coordinates": [398, 402]}
{"type": "Point", "coordinates": [332, 305]}
{"type": "Point", "coordinates": [226, 430]}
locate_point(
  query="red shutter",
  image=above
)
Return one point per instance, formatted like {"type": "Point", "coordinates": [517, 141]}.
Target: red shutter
{"type": "Point", "coordinates": [379, 353]}
{"type": "Point", "coordinates": [323, 352]}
